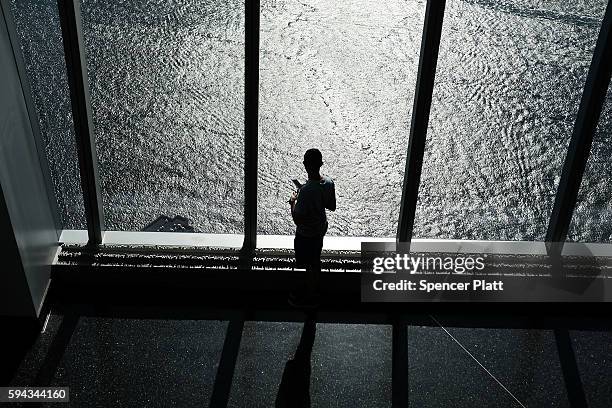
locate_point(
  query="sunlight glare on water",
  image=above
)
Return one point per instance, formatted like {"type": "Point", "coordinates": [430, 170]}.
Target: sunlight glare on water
{"type": "Point", "coordinates": [167, 90]}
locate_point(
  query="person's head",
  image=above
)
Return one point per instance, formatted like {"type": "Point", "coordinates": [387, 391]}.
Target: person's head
{"type": "Point", "coordinates": [313, 160]}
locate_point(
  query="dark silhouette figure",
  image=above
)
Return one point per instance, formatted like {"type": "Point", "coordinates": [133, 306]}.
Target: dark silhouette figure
{"type": "Point", "coordinates": [294, 389]}
{"type": "Point", "coordinates": [308, 206]}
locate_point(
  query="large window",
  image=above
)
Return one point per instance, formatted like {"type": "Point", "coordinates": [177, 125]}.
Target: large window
{"type": "Point", "coordinates": [338, 76]}
{"type": "Point", "coordinates": [592, 220]}
{"type": "Point", "coordinates": [167, 92]}
{"type": "Point", "coordinates": [37, 24]}
{"type": "Point", "coordinates": [508, 85]}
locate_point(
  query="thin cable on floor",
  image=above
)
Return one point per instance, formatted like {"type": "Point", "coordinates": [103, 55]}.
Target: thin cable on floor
{"type": "Point", "coordinates": [478, 362]}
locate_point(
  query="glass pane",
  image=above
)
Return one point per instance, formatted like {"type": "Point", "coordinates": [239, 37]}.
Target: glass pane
{"type": "Point", "coordinates": [509, 80]}
{"type": "Point", "coordinates": [40, 35]}
{"type": "Point", "coordinates": [338, 76]}
{"type": "Point", "coordinates": [592, 219]}
{"type": "Point", "coordinates": [167, 91]}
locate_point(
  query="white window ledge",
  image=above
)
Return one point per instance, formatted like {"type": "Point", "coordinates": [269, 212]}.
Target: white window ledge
{"type": "Point", "coordinates": [198, 240]}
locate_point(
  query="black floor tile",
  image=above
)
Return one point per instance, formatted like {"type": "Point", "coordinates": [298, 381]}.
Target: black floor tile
{"type": "Point", "coordinates": [350, 364]}
{"type": "Point", "coordinates": [134, 363]}
{"type": "Point", "coordinates": [441, 374]}
{"type": "Point", "coordinates": [526, 362]}
{"type": "Point", "coordinates": [264, 350]}
{"type": "Point", "coordinates": [34, 358]}
{"type": "Point", "coordinates": [593, 351]}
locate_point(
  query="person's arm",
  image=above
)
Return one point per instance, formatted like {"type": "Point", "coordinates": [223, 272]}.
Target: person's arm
{"type": "Point", "coordinates": [331, 204]}
{"type": "Point", "coordinates": [296, 215]}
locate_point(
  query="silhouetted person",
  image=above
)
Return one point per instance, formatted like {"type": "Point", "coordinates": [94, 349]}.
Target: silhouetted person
{"type": "Point", "coordinates": [294, 389]}
{"type": "Point", "coordinates": [308, 206]}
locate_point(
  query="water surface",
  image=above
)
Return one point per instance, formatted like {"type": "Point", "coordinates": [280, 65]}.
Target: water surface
{"type": "Point", "coordinates": [167, 85]}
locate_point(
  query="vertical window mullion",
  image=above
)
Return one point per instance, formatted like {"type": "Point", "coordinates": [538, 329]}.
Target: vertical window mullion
{"type": "Point", "coordinates": [428, 59]}
{"type": "Point", "coordinates": [76, 68]}
{"type": "Point", "coordinates": [251, 121]}
{"type": "Point", "coordinates": [591, 104]}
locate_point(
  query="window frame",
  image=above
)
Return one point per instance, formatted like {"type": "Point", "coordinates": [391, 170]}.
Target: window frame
{"type": "Point", "coordinates": [577, 155]}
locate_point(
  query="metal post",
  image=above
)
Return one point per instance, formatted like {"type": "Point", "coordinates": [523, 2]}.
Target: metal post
{"type": "Point", "coordinates": [76, 66]}
{"type": "Point", "coordinates": [251, 122]}
{"type": "Point", "coordinates": [593, 98]}
{"type": "Point", "coordinates": [399, 363]}
{"type": "Point", "coordinates": [32, 113]}
{"type": "Point", "coordinates": [430, 43]}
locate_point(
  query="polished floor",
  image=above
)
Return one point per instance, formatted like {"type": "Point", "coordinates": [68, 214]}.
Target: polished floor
{"type": "Point", "coordinates": [240, 359]}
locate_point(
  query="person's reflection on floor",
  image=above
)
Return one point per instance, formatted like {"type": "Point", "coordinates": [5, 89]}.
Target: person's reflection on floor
{"type": "Point", "coordinates": [294, 389]}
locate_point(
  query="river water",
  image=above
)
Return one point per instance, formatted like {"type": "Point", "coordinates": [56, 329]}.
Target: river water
{"type": "Point", "coordinates": [167, 83]}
